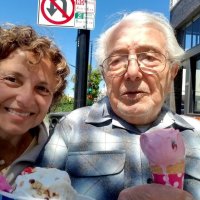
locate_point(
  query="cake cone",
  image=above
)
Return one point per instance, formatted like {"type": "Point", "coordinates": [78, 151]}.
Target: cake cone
{"type": "Point", "coordinates": [165, 151]}
{"type": "Point", "coordinates": [172, 175]}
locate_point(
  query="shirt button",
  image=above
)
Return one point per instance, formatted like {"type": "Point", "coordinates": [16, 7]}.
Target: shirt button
{"type": "Point", "coordinates": [149, 180]}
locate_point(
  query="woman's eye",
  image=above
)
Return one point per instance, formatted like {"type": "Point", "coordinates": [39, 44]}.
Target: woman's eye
{"type": "Point", "coordinates": [43, 90]}
{"type": "Point", "coordinates": [11, 81]}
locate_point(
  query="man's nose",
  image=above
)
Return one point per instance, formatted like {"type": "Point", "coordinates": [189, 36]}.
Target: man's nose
{"type": "Point", "coordinates": [133, 69]}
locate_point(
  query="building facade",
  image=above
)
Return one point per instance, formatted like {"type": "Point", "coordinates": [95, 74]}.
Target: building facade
{"type": "Point", "coordinates": [185, 18]}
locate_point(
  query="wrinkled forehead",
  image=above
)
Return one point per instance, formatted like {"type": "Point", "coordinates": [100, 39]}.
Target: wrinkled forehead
{"type": "Point", "coordinates": [139, 23]}
{"type": "Point", "coordinates": [128, 34]}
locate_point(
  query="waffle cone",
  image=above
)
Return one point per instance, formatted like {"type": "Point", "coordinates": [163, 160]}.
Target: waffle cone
{"type": "Point", "coordinates": [170, 169]}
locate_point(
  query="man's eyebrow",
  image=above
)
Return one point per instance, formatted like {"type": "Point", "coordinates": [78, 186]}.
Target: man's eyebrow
{"type": "Point", "coordinates": [144, 48]}
{"type": "Point", "coordinates": [147, 48]}
{"type": "Point", "coordinates": [119, 51]}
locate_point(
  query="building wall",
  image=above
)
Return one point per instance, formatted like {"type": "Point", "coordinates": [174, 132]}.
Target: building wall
{"type": "Point", "coordinates": [183, 11]}
{"type": "Point", "coordinates": [173, 3]}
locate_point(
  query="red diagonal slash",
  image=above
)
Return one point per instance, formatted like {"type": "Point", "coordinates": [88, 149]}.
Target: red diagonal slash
{"type": "Point", "coordinates": [68, 18]}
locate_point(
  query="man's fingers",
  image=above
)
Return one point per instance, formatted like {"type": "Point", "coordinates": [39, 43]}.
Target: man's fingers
{"type": "Point", "coordinates": [154, 192]}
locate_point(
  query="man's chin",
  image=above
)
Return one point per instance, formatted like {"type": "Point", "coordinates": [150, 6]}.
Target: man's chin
{"type": "Point", "coordinates": [132, 109]}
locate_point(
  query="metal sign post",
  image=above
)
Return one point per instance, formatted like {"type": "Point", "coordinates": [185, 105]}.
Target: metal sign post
{"type": "Point", "coordinates": [82, 55]}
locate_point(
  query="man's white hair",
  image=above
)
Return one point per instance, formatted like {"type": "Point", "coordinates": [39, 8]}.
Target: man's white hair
{"type": "Point", "coordinates": [138, 18]}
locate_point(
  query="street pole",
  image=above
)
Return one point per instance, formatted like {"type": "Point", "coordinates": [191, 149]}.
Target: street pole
{"type": "Point", "coordinates": [82, 55]}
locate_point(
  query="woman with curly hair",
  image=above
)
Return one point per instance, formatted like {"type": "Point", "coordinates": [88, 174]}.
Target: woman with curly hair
{"type": "Point", "coordinates": [32, 79]}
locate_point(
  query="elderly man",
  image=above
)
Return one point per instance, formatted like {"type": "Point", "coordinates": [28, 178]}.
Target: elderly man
{"type": "Point", "coordinates": [99, 146]}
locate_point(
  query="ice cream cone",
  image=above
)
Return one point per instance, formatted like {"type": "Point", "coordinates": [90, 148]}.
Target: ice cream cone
{"type": "Point", "coordinates": [172, 175]}
{"type": "Point", "coordinates": [165, 151]}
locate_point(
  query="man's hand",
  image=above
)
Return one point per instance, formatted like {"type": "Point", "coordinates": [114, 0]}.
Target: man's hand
{"type": "Point", "coordinates": [154, 192]}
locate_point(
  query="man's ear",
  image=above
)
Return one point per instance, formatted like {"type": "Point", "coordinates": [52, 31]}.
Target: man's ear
{"type": "Point", "coordinates": [174, 69]}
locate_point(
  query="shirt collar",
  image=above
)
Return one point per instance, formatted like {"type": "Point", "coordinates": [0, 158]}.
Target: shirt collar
{"type": "Point", "coordinates": [102, 112]}
{"type": "Point", "coordinates": [41, 137]}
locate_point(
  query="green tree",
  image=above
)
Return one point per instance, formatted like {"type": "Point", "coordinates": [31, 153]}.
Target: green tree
{"type": "Point", "coordinates": [94, 79]}
{"type": "Point", "coordinates": [65, 104]}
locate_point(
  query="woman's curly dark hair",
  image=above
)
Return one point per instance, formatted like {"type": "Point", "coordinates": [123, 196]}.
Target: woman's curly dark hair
{"type": "Point", "coordinates": [26, 38]}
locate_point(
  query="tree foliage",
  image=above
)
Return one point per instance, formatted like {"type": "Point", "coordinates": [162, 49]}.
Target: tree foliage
{"type": "Point", "coordinates": [94, 79]}
{"type": "Point", "coordinates": [66, 104]}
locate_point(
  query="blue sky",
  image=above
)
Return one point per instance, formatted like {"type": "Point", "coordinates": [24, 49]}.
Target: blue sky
{"type": "Point", "coordinates": [25, 12]}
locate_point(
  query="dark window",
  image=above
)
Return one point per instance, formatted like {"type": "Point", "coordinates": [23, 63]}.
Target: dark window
{"type": "Point", "coordinates": [188, 37]}
{"type": "Point", "coordinates": [191, 34]}
{"type": "Point", "coordinates": [197, 87]}
{"type": "Point", "coordinates": [196, 33]}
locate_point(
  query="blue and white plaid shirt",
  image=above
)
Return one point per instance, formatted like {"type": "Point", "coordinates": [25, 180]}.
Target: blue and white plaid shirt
{"type": "Point", "coordinates": [102, 154]}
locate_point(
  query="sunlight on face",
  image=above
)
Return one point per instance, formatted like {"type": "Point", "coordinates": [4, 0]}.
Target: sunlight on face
{"type": "Point", "coordinates": [26, 92]}
{"type": "Point", "coordinates": [135, 96]}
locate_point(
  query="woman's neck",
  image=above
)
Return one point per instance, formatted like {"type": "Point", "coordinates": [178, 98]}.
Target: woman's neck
{"type": "Point", "coordinates": [13, 148]}
{"type": "Point", "coordinates": [12, 140]}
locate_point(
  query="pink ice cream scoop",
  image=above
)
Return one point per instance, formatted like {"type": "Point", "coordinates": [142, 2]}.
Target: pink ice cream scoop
{"type": "Point", "coordinates": [165, 151]}
{"type": "Point", "coordinates": [4, 185]}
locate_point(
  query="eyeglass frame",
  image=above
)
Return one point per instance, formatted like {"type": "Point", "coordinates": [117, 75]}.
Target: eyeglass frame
{"type": "Point", "coordinates": [138, 63]}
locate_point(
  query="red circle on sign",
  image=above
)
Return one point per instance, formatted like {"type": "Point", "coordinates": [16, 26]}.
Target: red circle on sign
{"type": "Point", "coordinates": [68, 18]}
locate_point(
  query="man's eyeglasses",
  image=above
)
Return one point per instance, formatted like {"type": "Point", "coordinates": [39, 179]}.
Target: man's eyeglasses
{"type": "Point", "coordinates": [148, 62]}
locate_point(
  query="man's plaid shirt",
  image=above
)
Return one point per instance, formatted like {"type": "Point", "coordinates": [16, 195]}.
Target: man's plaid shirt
{"type": "Point", "coordinates": [102, 153]}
